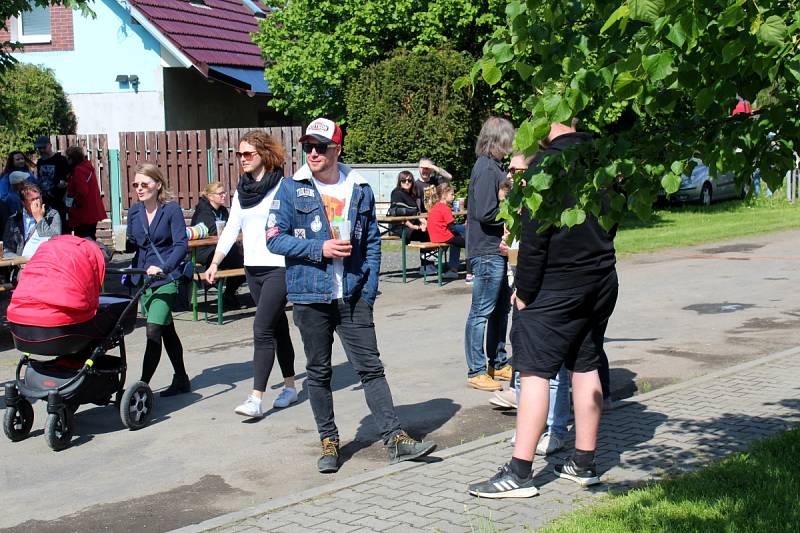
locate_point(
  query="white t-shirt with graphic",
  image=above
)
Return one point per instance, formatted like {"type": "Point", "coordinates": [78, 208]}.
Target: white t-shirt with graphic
{"type": "Point", "coordinates": [336, 199]}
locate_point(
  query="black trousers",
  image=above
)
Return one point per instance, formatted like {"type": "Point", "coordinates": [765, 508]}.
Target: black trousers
{"type": "Point", "coordinates": [352, 321]}
{"type": "Point", "coordinates": [270, 326]}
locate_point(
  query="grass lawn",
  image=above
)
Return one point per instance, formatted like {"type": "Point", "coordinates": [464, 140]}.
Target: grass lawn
{"type": "Point", "coordinates": [754, 491]}
{"type": "Point", "coordinates": [685, 226]}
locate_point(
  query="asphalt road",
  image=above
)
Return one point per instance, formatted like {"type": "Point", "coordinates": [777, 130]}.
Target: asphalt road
{"type": "Point", "coordinates": [681, 313]}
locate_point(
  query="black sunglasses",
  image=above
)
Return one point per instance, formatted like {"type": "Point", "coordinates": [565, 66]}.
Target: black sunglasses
{"type": "Point", "coordinates": [320, 148]}
{"type": "Point", "coordinates": [406, 180]}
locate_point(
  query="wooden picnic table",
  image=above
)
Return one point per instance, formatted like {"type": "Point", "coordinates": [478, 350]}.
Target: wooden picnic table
{"type": "Point", "coordinates": [13, 261]}
{"type": "Point", "coordinates": [388, 221]}
{"type": "Point", "coordinates": [193, 246]}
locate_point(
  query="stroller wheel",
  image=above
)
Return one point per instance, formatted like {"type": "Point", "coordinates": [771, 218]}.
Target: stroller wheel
{"type": "Point", "coordinates": [58, 429]}
{"type": "Point", "coordinates": [18, 421]}
{"type": "Point", "coordinates": [136, 407]}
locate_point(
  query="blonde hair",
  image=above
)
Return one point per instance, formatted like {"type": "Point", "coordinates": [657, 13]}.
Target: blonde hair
{"type": "Point", "coordinates": [442, 189]}
{"type": "Point", "coordinates": [212, 188]}
{"type": "Point", "coordinates": [154, 173]}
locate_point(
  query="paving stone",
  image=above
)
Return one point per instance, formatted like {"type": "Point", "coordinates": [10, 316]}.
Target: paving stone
{"type": "Point", "coordinates": [678, 430]}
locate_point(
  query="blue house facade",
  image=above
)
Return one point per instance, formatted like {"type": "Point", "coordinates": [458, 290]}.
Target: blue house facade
{"type": "Point", "coordinates": [132, 67]}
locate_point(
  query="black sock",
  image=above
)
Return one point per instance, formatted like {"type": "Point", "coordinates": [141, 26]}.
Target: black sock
{"type": "Point", "coordinates": [521, 468]}
{"type": "Point", "coordinates": [583, 458]}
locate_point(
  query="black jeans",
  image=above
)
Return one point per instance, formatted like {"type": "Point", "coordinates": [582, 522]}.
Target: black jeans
{"type": "Point", "coordinates": [352, 321]}
{"type": "Point", "coordinates": [270, 325]}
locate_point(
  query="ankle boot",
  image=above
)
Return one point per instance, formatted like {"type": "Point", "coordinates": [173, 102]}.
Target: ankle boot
{"type": "Point", "coordinates": [180, 385]}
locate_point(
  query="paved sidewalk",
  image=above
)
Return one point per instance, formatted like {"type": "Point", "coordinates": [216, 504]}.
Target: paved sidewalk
{"type": "Point", "coordinates": [672, 429]}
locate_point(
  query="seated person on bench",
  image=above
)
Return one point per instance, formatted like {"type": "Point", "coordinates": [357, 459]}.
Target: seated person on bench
{"type": "Point", "coordinates": [210, 210]}
{"type": "Point", "coordinates": [405, 202]}
{"type": "Point", "coordinates": [442, 227]}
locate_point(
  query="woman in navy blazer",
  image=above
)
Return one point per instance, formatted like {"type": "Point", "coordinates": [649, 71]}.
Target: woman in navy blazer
{"type": "Point", "coordinates": [155, 222]}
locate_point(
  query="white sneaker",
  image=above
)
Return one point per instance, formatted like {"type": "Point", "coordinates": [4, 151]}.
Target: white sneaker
{"type": "Point", "coordinates": [506, 399]}
{"type": "Point", "coordinates": [251, 407]}
{"type": "Point", "coordinates": [287, 397]}
{"type": "Point", "coordinates": [549, 444]}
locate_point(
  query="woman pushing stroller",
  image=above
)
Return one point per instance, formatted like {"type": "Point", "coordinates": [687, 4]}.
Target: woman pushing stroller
{"type": "Point", "coordinates": [157, 234]}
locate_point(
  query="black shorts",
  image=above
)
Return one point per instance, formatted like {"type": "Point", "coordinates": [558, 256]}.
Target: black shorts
{"type": "Point", "coordinates": [564, 327]}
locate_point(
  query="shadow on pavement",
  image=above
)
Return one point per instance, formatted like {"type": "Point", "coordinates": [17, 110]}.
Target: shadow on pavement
{"type": "Point", "coordinates": [419, 420]}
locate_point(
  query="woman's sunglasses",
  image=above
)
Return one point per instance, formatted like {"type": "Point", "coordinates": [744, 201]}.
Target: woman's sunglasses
{"type": "Point", "coordinates": [141, 185]}
{"type": "Point", "coordinates": [406, 180]}
{"type": "Point", "coordinates": [247, 156]}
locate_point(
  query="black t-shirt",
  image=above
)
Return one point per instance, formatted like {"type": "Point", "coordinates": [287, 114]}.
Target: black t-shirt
{"type": "Point", "coordinates": [49, 172]}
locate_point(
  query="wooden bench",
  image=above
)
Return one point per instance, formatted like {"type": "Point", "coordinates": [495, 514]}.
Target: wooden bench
{"type": "Point", "coordinates": [221, 276]}
{"type": "Point", "coordinates": [441, 250]}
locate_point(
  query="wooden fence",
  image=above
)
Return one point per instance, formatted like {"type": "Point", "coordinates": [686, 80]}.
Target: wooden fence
{"type": "Point", "coordinates": [190, 159]}
{"type": "Point", "coordinates": [96, 149]}
{"type": "Point", "coordinates": [225, 142]}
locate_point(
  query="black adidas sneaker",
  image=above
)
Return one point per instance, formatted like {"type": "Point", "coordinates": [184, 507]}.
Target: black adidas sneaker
{"type": "Point", "coordinates": [504, 484]}
{"type": "Point", "coordinates": [582, 476]}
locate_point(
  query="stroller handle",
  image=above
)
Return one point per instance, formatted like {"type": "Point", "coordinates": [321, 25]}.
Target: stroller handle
{"type": "Point", "coordinates": [134, 271]}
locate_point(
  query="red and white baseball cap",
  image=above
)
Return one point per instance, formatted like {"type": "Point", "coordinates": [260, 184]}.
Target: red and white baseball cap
{"type": "Point", "coordinates": [323, 130]}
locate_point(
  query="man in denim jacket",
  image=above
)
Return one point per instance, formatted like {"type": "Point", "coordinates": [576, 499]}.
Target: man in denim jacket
{"type": "Point", "coordinates": [323, 222]}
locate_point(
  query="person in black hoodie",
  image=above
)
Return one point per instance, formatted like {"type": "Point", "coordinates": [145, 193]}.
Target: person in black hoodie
{"type": "Point", "coordinates": [210, 210]}
{"type": "Point", "coordinates": [566, 290]}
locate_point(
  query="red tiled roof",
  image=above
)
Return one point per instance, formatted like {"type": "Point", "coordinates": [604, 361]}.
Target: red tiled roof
{"type": "Point", "coordinates": [219, 35]}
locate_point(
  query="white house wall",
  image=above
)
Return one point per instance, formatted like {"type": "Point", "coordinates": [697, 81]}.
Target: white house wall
{"type": "Point", "coordinates": [106, 47]}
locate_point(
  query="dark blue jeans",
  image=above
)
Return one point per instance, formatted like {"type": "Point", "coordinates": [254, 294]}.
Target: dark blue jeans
{"type": "Point", "coordinates": [488, 314]}
{"type": "Point", "coordinates": [352, 321]}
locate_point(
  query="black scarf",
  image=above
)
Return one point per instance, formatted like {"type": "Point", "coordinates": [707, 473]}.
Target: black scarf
{"type": "Point", "coordinates": [251, 192]}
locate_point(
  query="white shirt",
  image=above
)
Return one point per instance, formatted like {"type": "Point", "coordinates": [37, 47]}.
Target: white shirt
{"type": "Point", "coordinates": [336, 199]}
{"type": "Point", "coordinates": [253, 223]}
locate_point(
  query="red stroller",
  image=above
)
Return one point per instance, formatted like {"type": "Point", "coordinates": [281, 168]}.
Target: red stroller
{"type": "Point", "coordinates": [58, 313]}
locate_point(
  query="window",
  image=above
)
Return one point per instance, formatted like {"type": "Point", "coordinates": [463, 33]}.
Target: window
{"type": "Point", "coordinates": [34, 26]}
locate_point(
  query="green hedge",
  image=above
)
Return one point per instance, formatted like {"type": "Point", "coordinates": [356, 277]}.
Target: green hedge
{"type": "Point", "coordinates": [32, 103]}
{"type": "Point", "coordinates": [405, 108]}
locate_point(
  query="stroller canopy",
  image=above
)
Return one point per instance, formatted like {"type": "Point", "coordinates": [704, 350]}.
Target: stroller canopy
{"type": "Point", "coordinates": [60, 285]}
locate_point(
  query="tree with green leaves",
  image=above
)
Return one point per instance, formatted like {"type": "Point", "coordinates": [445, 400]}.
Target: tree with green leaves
{"type": "Point", "coordinates": [315, 48]}
{"type": "Point", "coordinates": [13, 8]}
{"type": "Point", "coordinates": [657, 81]}
{"type": "Point", "coordinates": [32, 103]}
{"type": "Point", "coordinates": [404, 108]}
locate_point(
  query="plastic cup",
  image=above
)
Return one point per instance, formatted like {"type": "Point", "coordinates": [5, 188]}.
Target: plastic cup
{"type": "Point", "coordinates": [513, 253]}
{"type": "Point", "coordinates": [220, 226]}
{"type": "Point", "coordinates": [120, 237]}
{"type": "Point", "coordinates": [341, 230]}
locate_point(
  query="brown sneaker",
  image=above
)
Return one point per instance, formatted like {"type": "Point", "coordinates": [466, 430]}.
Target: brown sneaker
{"type": "Point", "coordinates": [329, 462]}
{"type": "Point", "coordinates": [484, 382]}
{"type": "Point", "coordinates": [502, 374]}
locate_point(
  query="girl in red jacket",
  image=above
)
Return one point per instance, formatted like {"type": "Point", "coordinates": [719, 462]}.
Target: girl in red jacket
{"type": "Point", "coordinates": [83, 196]}
{"type": "Point", "coordinates": [442, 227]}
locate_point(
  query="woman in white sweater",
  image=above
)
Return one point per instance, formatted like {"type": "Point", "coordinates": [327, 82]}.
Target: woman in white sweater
{"type": "Point", "coordinates": [261, 157]}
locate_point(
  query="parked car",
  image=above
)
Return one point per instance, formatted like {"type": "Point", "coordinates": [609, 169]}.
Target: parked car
{"type": "Point", "coordinates": [701, 187]}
